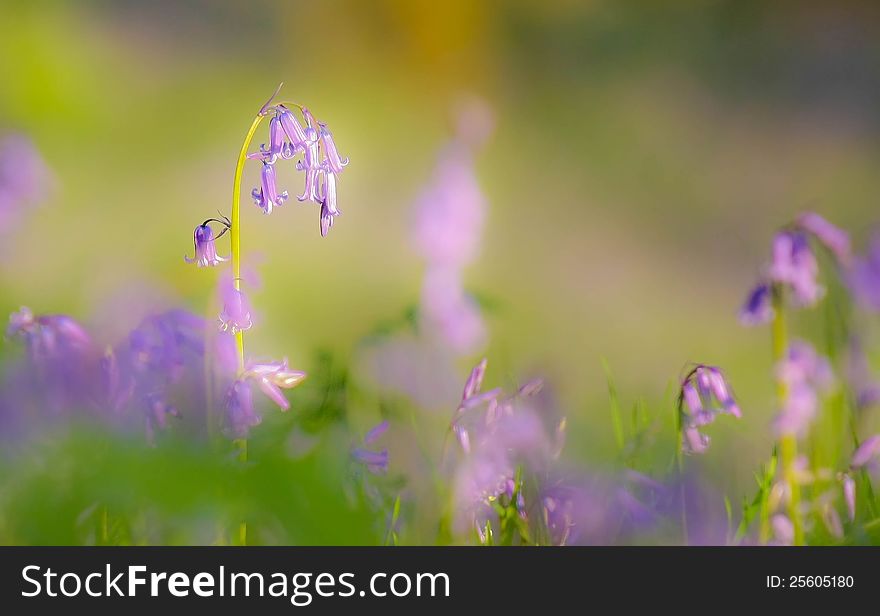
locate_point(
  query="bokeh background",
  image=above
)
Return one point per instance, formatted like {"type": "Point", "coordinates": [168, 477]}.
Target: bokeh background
{"type": "Point", "coordinates": [643, 156]}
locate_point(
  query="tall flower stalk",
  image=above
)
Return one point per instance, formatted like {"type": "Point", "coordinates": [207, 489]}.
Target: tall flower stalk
{"type": "Point", "coordinates": [321, 162]}
{"type": "Point", "coordinates": [787, 440]}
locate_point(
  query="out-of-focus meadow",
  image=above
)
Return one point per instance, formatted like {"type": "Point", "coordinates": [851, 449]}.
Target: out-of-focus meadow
{"type": "Point", "coordinates": [642, 157]}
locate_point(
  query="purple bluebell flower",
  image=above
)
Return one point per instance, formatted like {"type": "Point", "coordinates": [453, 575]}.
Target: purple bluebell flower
{"type": "Point", "coordinates": [758, 307]}
{"type": "Point", "coordinates": [805, 374]}
{"type": "Point", "coordinates": [204, 246]}
{"type": "Point", "coordinates": [240, 413]}
{"type": "Point", "coordinates": [327, 198]}
{"type": "Point", "coordinates": [311, 165]}
{"type": "Point", "coordinates": [47, 336]}
{"type": "Point", "coordinates": [835, 239]}
{"type": "Point", "coordinates": [333, 161]}
{"type": "Point", "coordinates": [795, 265]}
{"type": "Point", "coordinates": [704, 393]}
{"type": "Point", "coordinates": [267, 196]}
{"type": "Point", "coordinates": [276, 141]}
{"type": "Point", "coordinates": [863, 277]}
{"type": "Point", "coordinates": [292, 128]}
{"type": "Point", "coordinates": [866, 452]}
{"type": "Point", "coordinates": [783, 529]}
{"type": "Point", "coordinates": [236, 315]}
{"type": "Point", "coordinates": [272, 377]}
{"type": "Point", "coordinates": [375, 461]}
{"type": "Point", "coordinates": [24, 178]}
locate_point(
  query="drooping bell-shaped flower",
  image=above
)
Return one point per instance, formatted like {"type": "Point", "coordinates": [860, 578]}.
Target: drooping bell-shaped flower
{"type": "Point", "coordinates": [758, 307]}
{"type": "Point", "coordinates": [236, 315]}
{"type": "Point", "coordinates": [334, 162]}
{"type": "Point", "coordinates": [272, 377]}
{"type": "Point", "coordinates": [292, 128]}
{"type": "Point", "coordinates": [311, 165]}
{"type": "Point", "coordinates": [835, 239]}
{"type": "Point", "coordinates": [795, 265]}
{"type": "Point", "coordinates": [205, 249]}
{"type": "Point", "coordinates": [704, 394]}
{"type": "Point", "coordinates": [327, 198]}
{"type": "Point", "coordinates": [276, 141]}
{"type": "Point", "coordinates": [240, 413]}
{"type": "Point", "coordinates": [866, 452]}
{"type": "Point", "coordinates": [267, 196]}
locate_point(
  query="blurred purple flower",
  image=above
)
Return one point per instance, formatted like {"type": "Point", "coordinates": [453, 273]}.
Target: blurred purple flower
{"type": "Point", "coordinates": [863, 277]}
{"type": "Point", "coordinates": [866, 452]}
{"type": "Point", "coordinates": [236, 315]}
{"type": "Point", "coordinates": [240, 413]}
{"type": "Point", "coordinates": [704, 394]}
{"type": "Point", "coordinates": [272, 377]}
{"type": "Point", "coordinates": [24, 178]}
{"type": "Point", "coordinates": [758, 308]}
{"type": "Point", "coordinates": [805, 374]}
{"type": "Point", "coordinates": [849, 496]}
{"type": "Point", "coordinates": [47, 336]}
{"type": "Point", "coordinates": [450, 212]}
{"type": "Point", "coordinates": [449, 314]}
{"type": "Point", "coordinates": [795, 265]}
{"type": "Point", "coordinates": [375, 461]}
{"type": "Point", "coordinates": [783, 529]}
{"type": "Point", "coordinates": [203, 240]}
{"type": "Point", "coordinates": [835, 239]}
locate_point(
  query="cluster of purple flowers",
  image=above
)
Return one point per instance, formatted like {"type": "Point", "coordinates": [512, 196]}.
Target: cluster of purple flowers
{"type": "Point", "coordinates": [794, 267]}
{"type": "Point", "coordinates": [132, 383]}
{"type": "Point", "coordinates": [320, 161]}
{"type": "Point", "coordinates": [704, 395]}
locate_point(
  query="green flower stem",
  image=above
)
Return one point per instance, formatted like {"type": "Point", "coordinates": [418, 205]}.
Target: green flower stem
{"type": "Point", "coordinates": [235, 239]}
{"type": "Point", "coordinates": [787, 442]}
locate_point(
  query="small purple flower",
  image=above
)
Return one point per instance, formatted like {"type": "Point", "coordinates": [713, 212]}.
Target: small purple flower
{"type": "Point", "coordinates": [24, 178]}
{"type": "Point", "coordinates": [334, 162]}
{"type": "Point", "coordinates": [311, 164]}
{"type": "Point", "coordinates": [267, 196]}
{"type": "Point", "coordinates": [48, 336]}
{"type": "Point", "coordinates": [758, 308]}
{"type": "Point", "coordinates": [292, 128]}
{"type": "Point", "coordinates": [704, 394]}
{"type": "Point", "coordinates": [866, 452]}
{"type": "Point", "coordinates": [236, 315]}
{"type": "Point", "coordinates": [272, 377]}
{"type": "Point", "coordinates": [849, 496]}
{"type": "Point", "coordinates": [375, 461]}
{"type": "Point", "coordinates": [795, 265]}
{"type": "Point", "coordinates": [327, 198]}
{"type": "Point", "coordinates": [205, 249]}
{"type": "Point", "coordinates": [276, 141]}
{"type": "Point", "coordinates": [864, 276]}
{"type": "Point", "coordinates": [240, 413]}
{"type": "Point", "coordinates": [783, 529]}
{"type": "Point", "coordinates": [832, 237]}
{"type": "Point", "coordinates": [805, 374]}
